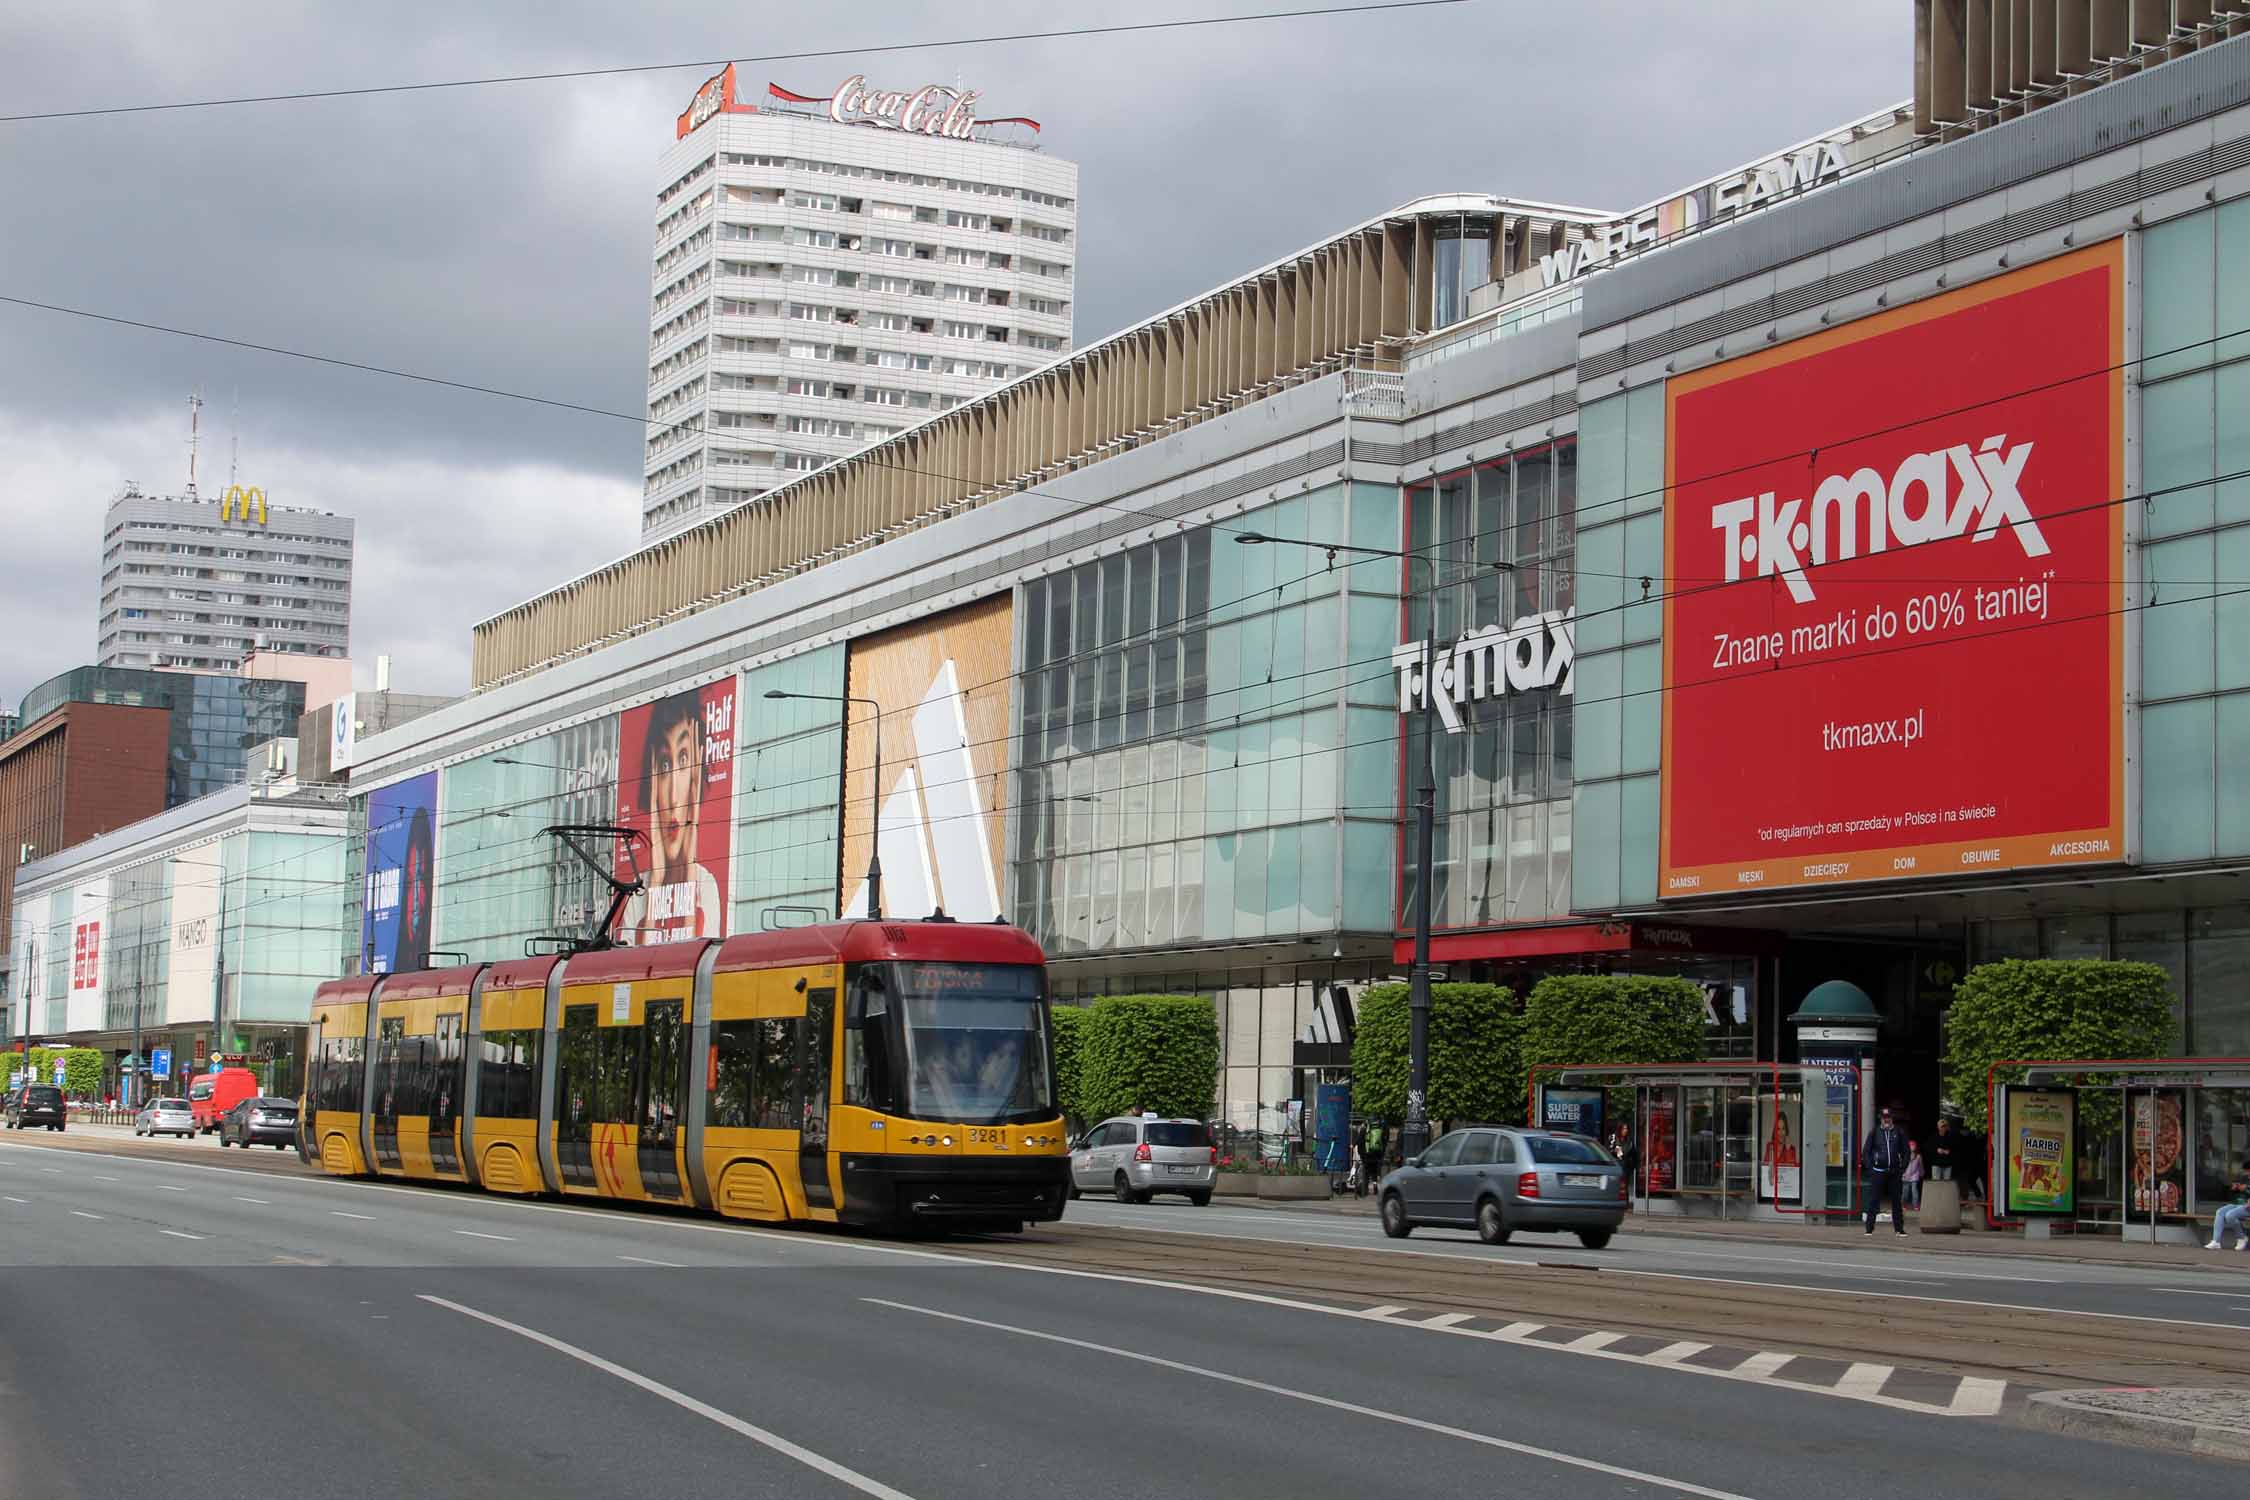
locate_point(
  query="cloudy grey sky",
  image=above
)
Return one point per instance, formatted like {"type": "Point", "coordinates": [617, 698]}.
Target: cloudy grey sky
{"type": "Point", "coordinates": [501, 235]}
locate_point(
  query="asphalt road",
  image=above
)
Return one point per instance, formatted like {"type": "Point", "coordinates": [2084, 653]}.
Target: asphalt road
{"type": "Point", "coordinates": [2213, 1295]}
{"type": "Point", "coordinates": [193, 1329]}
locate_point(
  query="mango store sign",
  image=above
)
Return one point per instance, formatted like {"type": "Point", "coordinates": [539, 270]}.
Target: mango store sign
{"type": "Point", "coordinates": [1533, 654]}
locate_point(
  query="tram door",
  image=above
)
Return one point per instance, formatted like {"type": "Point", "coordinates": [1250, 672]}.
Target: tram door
{"type": "Point", "coordinates": [445, 1057]}
{"type": "Point", "coordinates": [663, 1100]}
{"type": "Point", "coordinates": [390, 1043]}
{"type": "Point", "coordinates": [815, 1040]}
{"type": "Point", "coordinates": [575, 1096]}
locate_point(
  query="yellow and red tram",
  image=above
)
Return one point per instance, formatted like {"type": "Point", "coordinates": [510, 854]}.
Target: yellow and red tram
{"type": "Point", "coordinates": [874, 1073]}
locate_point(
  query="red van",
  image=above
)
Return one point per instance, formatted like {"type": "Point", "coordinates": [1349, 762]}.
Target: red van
{"type": "Point", "coordinates": [216, 1092]}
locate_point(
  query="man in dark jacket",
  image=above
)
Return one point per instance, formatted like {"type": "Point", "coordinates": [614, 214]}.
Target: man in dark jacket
{"type": "Point", "coordinates": [1885, 1153]}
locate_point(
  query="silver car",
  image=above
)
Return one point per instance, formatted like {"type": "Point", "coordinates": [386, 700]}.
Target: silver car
{"type": "Point", "coordinates": [164, 1117]}
{"type": "Point", "coordinates": [1136, 1157]}
{"type": "Point", "coordinates": [1501, 1179]}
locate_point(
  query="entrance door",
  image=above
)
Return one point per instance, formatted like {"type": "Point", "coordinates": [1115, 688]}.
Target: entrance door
{"type": "Point", "coordinates": [388, 1081]}
{"type": "Point", "coordinates": [663, 1100]}
{"type": "Point", "coordinates": [445, 1095]}
{"type": "Point", "coordinates": [576, 1088]}
{"type": "Point", "coordinates": [813, 1040]}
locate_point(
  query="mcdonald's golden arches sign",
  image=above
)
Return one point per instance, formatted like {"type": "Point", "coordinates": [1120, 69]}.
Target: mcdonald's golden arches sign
{"type": "Point", "coordinates": [248, 503]}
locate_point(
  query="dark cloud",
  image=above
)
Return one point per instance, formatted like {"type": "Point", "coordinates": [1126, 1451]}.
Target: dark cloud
{"type": "Point", "coordinates": [501, 235]}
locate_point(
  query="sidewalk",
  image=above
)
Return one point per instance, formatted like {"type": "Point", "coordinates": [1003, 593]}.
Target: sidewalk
{"type": "Point", "coordinates": [2087, 1249]}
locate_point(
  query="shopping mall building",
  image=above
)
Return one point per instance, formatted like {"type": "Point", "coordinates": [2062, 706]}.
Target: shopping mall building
{"type": "Point", "coordinates": [1840, 572]}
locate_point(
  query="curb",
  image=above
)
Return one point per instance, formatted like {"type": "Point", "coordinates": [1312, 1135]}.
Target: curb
{"type": "Point", "coordinates": [2057, 1411]}
{"type": "Point", "coordinates": [1686, 1229]}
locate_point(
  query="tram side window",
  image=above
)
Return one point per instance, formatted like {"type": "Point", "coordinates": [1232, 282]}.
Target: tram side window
{"type": "Point", "coordinates": [508, 1076]}
{"type": "Point", "coordinates": [338, 1086]}
{"type": "Point", "coordinates": [755, 1082]}
{"type": "Point", "coordinates": [445, 1071]}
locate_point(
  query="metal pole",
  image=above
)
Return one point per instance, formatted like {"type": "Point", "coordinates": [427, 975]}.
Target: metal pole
{"type": "Point", "coordinates": [1414, 1138]}
{"type": "Point", "coordinates": [219, 974]}
{"type": "Point", "coordinates": [875, 825]}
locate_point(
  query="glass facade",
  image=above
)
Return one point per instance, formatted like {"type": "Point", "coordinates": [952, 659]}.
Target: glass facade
{"type": "Point", "coordinates": [2195, 524]}
{"type": "Point", "coordinates": [2206, 951]}
{"type": "Point", "coordinates": [1503, 535]}
{"type": "Point", "coordinates": [790, 764]}
{"type": "Point", "coordinates": [1202, 739]}
{"type": "Point", "coordinates": [215, 719]}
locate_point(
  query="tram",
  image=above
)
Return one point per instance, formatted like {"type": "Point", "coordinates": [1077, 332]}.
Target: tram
{"type": "Point", "coordinates": [882, 1074]}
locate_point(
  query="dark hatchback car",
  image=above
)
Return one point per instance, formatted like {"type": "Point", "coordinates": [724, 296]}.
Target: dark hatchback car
{"type": "Point", "coordinates": [36, 1104]}
{"type": "Point", "coordinates": [260, 1120]}
{"type": "Point", "coordinates": [1500, 1179]}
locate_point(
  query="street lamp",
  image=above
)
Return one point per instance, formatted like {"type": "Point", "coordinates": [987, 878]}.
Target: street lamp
{"type": "Point", "coordinates": [875, 819]}
{"type": "Point", "coordinates": [1415, 1135]}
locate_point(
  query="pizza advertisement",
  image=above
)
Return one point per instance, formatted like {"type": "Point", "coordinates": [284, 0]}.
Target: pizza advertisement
{"type": "Point", "coordinates": [2040, 1134]}
{"type": "Point", "coordinates": [2159, 1165]}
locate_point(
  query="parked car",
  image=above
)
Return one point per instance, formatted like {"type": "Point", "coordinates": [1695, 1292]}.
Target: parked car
{"type": "Point", "coordinates": [36, 1104]}
{"type": "Point", "coordinates": [1501, 1179]}
{"type": "Point", "coordinates": [260, 1121]}
{"type": "Point", "coordinates": [1136, 1157]}
{"type": "Point", "coordinates": [166, 1116]}
{"type": "Point", "coordinates": [218, 1091]}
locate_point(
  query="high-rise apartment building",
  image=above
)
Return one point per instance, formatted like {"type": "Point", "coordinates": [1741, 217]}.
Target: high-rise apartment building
{"type": "Point", "coordinates": [830, 271]}
{"type": "Point", "coordinates": [200, 584]}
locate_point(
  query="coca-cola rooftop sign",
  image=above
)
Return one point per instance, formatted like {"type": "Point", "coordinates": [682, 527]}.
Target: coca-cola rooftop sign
{"type": "Point", "coordinates": [932, 109]}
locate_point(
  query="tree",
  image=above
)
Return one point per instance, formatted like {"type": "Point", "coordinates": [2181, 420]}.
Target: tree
{"type": "Point", "coordinates": [82, 1072]}
{"type": "Point", "coordinates": [1476, 1055]}
{"type": "Point", "coordinates": [2050, 1008]}
{"type": "Point", "coordinates": [1590, 1019]}
{"type": "Point", "coordinates": [1070, 1037]}
{"type": "Point", "coordinates": [1158, 1052]}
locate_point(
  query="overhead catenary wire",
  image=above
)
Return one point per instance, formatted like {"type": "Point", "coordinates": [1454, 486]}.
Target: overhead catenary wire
{"type": "Point", "coordinates": [804, 55]}
{"type": "Point", "coordinates": [1390, 736]}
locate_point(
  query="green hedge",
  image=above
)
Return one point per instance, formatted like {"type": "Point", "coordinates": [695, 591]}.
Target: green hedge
{"type": "Point", "coordinates": [1070, 1036]}
{"type": "Point", "coordinates": [1158, 1052]}
{"type": "Point", "coordinates": [82, 1068]}
{"type": "Point", "coordinates": [1574, 1019]}
{"type": "Point", "coordinates": [2058, 1008]}
{"type": "Point", "coordinates": [1476, 1053]}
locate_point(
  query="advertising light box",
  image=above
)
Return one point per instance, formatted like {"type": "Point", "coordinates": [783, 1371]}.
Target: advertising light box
{"type": "Point", "coordinates": [1894, 619]}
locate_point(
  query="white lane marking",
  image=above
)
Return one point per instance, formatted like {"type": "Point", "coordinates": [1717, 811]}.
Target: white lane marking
{"type": "Point", "coordinates": [1673, 1353]}
{"type": "Point", "coordinates": [1447, 1320]}
{"type": "Point", "coordinates": [84, 1215]}
{"type": "Point", "coordinates": [98, 1177]}
{"type": "Point", "coordinates": [643, 1260]}
{"type": "Point", "coordinates": [1386, 1310]}
{"type": "Point", "coordinates": [261, 1201]}
{"type": "Point", "coordinates": [180, 1234]}
{"type": "Point", "coordinates": [1863, 1380]}
{"type": "Point", "coordinates": [1517, 1330]}
{"type": "Point", "coordinates": [1978, 1397]}
{"type": "Point", "coordinates": [1330, 1403]}
{"type": "Point", "coordinates": [728, 1420]}
{"type": "Point", "coordinates": [1838, 1291]}
{"type": "Point", "coordinates": [340, 1214]}
{"type": "Point", "coordinates": [2181, 1291]}
{"type": "Point", "coordinates": [1592, 1341]}
{"type": "Point", "coordinates": [1758, 1366]}
{"type": "Point", "coordinates": [12, 1198]}
{"type": "Point", "coordinates": [479, 1235]}
{"type": "Point", "coordinates": [166, 1187]}
{"type": "Point", "coordinates": [57, 1171]}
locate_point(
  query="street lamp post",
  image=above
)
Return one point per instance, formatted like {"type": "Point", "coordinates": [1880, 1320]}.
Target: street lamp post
{"type": "Point", "coordinates": [875, 816]}
{"type": "Point", "coordinates": [1415, 1134]}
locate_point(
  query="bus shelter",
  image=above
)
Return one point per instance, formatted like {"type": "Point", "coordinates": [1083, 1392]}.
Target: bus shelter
{"type": "Point", "coordinates": [2146, 1148]}
{"type": "Point", "coordinates": [1734, 1140]}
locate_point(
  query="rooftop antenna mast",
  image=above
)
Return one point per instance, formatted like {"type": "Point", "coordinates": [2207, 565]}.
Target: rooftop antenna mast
{"type": "Point", "coordinates": [194, 436]}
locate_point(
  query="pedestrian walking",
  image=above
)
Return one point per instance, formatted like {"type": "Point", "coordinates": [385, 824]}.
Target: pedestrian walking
{"type": "Point", "coordinates": [1914, 1175]}
{"type": "Point", "coordinates": [2234, 1216]}
{"type": "Point", "coordinates": [1363, 1169]}
{"type": "Point", "coordinates": [1945, 1151]}
{"type": "Point", "coordinates": [1374, 1151]}
{"type": "Point", "coordinates": [1885, 1153]}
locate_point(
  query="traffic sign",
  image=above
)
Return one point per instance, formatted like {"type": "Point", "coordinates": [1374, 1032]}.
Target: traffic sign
{"type": "Point", "coordinates": [160, 1062]}
{"type": "Point", "coordinates": [58, 1072]}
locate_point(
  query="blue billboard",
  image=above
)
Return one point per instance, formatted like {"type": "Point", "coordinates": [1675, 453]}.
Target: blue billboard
{"type": "Point", "coordinates": [400, 882]}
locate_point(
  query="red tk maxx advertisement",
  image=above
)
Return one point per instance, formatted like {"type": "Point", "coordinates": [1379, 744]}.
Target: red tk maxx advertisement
{"type": "Point", "coordinates": [1894, 630]}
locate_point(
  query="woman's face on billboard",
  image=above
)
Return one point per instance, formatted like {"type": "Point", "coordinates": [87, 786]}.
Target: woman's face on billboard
{"type": "Point", "coordinates": [675, 765]}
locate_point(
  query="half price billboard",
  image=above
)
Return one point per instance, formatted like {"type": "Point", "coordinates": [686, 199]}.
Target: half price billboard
{"type": "Point", "coordinates": [1894, 628]}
